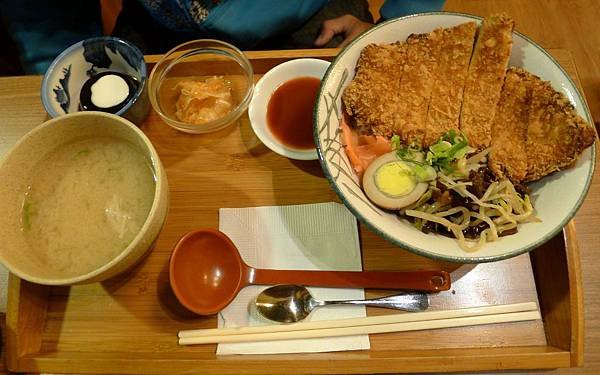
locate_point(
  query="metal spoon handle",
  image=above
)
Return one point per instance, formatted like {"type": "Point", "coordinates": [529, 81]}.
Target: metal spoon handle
{"type": "Point", "coordinates": [407, 302]}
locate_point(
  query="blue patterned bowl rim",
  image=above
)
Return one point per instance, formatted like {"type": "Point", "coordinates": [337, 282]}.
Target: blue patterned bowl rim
{"type": "Point", "coordinates": [142, 70]}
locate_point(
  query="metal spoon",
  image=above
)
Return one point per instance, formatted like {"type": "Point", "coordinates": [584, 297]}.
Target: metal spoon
{"type": "Point", "coordinates": [292, 303]}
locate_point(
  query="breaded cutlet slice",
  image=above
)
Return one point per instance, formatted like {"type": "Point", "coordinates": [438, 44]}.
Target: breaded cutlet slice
{"type": "Point", "coordinates": [485, 78]}
{"type": "Point", "coordinates": [454, 56]}
{"type": "Point", "coordinates": [416, 86]}
{"type": "Point", "coordinates": [508, 157]}
{"type": "Point", "coordinates": [372, 95]}
{"type": "Point", "coordinates": [556, 134]}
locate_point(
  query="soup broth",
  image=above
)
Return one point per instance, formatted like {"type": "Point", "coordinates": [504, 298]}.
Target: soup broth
{"type": "Point", "coordinates": [86, 202]}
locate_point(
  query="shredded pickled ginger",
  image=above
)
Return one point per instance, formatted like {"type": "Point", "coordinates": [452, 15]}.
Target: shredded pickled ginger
{"type": "Point", "coordinates": [201, 102]}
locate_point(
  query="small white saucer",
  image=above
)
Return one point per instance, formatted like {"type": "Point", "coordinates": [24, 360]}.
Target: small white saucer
{"type": "Point", "coordinates": [257, 110]}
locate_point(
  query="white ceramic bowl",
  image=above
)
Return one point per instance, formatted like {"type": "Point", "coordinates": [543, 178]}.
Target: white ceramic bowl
{"type": "Point", "coordinates": [257, 111]}
{"type": "Point", "coordinates": [556, 198]}
{"type": "Point", "coordinates": [20, 163]}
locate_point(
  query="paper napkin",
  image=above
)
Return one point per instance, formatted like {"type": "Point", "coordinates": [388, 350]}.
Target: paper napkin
{"type": "Point", "coordinates": [321, 236]}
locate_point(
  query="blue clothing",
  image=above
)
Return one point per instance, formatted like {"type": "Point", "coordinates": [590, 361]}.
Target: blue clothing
{"type": "Point", "coordinates": [255, 20]}
{"type": "Point", "coordinates": [400, 8]}
{"type": "Point", "coordinates": [43, 29]}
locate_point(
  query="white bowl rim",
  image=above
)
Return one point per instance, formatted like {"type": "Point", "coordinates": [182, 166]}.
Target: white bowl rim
{"type": "Point", "coordinates": [153, 210]}
{"type": "Point", "coordinates": [45, 81]}
{"type": "Point", "coordinates": [423, 252]}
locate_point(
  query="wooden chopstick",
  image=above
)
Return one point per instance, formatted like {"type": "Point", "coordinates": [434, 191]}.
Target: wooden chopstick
{"type": "Point", "coordinates": [373, 324]}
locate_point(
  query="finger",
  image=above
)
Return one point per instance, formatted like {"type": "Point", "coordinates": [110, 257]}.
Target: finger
{"type": "Point", "coordinates": [324, 37]}
{"type": "Point", "coordinates": [330, 28]}
{"type": "Point", "coordinates": [349, 37]}
{"type": "Point", "coordinates": [357, 29]}
{"type": "Point", "coordinates": [345, 42]}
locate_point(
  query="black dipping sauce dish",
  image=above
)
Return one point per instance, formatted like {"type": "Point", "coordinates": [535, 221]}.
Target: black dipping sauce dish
{"type": "Point", "coordinates": [85, 96]}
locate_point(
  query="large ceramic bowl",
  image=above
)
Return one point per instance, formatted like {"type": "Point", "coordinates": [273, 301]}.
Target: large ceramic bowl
{"type": "Point", "coordinates": [21, 163]}
{"type": "Point", "coordinates": [68, 72]}
{"type": "Point", "coordinates": [556, 197]}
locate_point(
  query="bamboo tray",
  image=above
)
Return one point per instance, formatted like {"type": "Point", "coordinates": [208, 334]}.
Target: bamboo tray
{"type": "Point", "coordinates": [129, 324]}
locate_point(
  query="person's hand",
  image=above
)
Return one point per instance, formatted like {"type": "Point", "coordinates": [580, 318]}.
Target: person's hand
{"type": "Point", "coordinates": [348, 25]}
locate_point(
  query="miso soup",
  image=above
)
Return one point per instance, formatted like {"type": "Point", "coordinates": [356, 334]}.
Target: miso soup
{"type": "Point", "coordinates": [86, 202]}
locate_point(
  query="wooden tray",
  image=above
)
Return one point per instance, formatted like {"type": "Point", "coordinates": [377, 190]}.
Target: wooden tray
{"type": "Point", "coordinates": [129, 324]}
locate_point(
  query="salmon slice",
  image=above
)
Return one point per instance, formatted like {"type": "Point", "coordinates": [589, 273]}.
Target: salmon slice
{"type": "Point", "coordinates": [446, 98]}
{"type": "Point", "coordinates": [362, 149]}
{"type": "Point", "coordinates": [416, 86]}
{"type": "Point", "coordinates": [508, 158]}
{"type": "Point", "coordinates": [485, 79]}
{"type": "Point", "coordinates": [372, 95]}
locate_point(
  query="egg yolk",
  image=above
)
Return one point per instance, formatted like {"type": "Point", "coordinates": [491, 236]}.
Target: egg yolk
{"type": "Point", "coordinates": [395, 179]}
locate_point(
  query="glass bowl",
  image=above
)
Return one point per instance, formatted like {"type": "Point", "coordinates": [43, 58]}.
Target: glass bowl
{"type": "Point", "coordinates": [199, 60]}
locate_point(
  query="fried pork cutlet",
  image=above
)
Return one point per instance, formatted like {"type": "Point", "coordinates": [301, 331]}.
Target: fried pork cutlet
{"type": "Point", "coordinates": [454, 56]}
{"type": "Point", "coordinates": [371, 97]}
{"type": "Point", "coordinates": [556, 134]}
{"type": "Point", "coordinates": [416, 86]}
{"type": "Point", "coordinates": [508, 157]}
{"type": "Point", "coordinates": [485, 79]}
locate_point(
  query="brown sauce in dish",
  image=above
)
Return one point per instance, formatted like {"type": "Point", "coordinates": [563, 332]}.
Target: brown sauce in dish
{"type": "Point", "coordinates": [290, 112]}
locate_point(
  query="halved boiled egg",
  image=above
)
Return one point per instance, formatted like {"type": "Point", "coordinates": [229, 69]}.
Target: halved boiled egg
{"type": "Point", "coordinates": [393, 183]}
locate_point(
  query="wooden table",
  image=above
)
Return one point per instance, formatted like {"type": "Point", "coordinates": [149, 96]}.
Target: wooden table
{"type": "Point", "coordinates": [20, 110]}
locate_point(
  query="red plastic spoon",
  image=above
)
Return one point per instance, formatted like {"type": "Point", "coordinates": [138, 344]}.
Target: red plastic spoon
{"type": "Point", "coordinates": [206, 273]}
